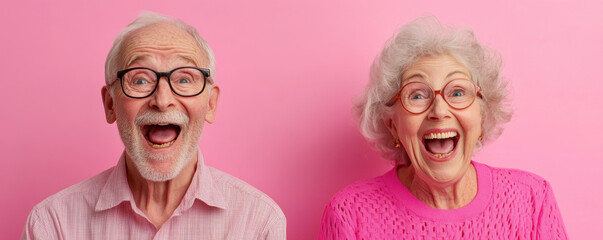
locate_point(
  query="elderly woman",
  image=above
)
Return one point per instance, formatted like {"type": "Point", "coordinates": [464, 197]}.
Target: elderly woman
{"type": "Point", "coordinates": [434, 97]}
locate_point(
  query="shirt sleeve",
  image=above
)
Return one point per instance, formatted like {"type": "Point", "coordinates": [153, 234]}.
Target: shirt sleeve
{"type": "Point", "coordinates": [550, 224]}
{"type": "Point", "coordinates": [37, 227]}
{"type": "Point", "coordinates": [334, 226]}
{"type": "Point", "coordinates": [277, 228]}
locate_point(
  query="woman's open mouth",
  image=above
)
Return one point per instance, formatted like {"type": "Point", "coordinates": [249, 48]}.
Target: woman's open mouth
{"type": "Point", "coordinates": [440, 144]}
{"type": "Point", "coordinates": [161, 135]}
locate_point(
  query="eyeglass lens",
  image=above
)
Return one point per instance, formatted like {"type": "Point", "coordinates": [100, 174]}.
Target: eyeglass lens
{"type": "Point", "coordinates": [417, 97]}
{"type": "Point", "coordinates": [183, 81]}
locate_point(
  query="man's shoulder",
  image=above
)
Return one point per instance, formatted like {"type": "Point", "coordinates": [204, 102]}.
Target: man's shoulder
{"type": "Point", "coordinates": [239, 191]}
{"type": "Point", "coordinates": [86, 191]}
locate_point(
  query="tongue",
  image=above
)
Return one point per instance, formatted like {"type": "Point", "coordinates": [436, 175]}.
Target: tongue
{"type": "Point", "coordinates": [162, 134]}
{"type": "Point", "coordinates": [440, 146]}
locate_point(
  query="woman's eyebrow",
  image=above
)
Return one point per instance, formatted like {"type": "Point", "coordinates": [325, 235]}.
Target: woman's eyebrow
{"type": "Point", "coordinates": [455, 72]}
{"type": "Point", "coordinates": [413, 76]}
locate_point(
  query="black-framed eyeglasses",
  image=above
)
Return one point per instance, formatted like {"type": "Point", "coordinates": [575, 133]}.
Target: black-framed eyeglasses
{"type": "Point", "coordinates": [141, 82]}
{"type": "Point", "coordinates": [417, 97]}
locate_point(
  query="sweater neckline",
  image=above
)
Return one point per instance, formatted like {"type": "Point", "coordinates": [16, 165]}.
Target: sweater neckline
{"type": "Point", "coordinates": [405, 199]}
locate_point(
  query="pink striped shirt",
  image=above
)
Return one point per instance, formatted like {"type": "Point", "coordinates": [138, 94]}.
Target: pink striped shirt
{"type": "Point", "coordinates": [216, 206]}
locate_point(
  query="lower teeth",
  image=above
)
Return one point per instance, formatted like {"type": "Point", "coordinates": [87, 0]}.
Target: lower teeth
{"type": "Point", "coordinates": [442, 155]}
{"type": "Point", "coordinates": [153, 145]}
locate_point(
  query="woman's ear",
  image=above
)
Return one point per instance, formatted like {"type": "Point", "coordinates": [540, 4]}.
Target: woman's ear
{"type": "Point", "coordinates": [391, 126]}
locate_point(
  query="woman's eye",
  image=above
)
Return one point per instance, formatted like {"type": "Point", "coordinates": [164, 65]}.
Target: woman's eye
{"type": "Point", "coordinates": [416, 96]}
{"type": "Point", "coordinates": [184, 80]}
{"type": "Point", "coordinates": [457, 93]}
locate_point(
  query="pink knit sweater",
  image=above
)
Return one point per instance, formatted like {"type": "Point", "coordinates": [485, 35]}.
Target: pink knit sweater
{"type": "Point", "coordinates": [510, 204]}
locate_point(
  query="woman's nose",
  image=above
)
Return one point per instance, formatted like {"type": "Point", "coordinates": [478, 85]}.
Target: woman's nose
{"type": "Point", "coordinates": [439, 108]}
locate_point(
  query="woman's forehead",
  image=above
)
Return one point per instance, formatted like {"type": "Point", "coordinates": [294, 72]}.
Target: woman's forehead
{"type": "Point", "coordinates": [432, 68]}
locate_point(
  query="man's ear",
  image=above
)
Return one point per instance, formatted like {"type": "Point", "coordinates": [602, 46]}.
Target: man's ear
{"type": "Point", "coordinates": [108, 104]}
{"type": "Point", "coordinates": [212, 104]}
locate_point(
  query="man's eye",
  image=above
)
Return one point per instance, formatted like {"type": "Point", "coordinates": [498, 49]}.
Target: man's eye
{"type": "Point", "coordinates": [140, 82]}
{"type": "Point", "coordinates": [184, 80]}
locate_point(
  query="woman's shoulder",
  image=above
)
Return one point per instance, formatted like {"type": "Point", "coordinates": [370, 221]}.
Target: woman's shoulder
{"type": "Point", "coordinates": [518, 194]}
{"type": "Point", "coordinates": [362, 192]}
{"type": "Point", "coordinates": [510, 178]}
{"type": "Point", "coordinates": [366, 202]}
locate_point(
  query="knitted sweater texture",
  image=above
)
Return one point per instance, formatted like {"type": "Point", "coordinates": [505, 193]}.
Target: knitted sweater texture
{"type": "Point", "coordinates": [510, 204]}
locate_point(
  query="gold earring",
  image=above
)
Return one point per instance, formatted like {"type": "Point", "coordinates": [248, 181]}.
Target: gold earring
{"type": "Point", "coordinates": [396, 142]}
{"type": "Point", "coordinates": [481, 137]}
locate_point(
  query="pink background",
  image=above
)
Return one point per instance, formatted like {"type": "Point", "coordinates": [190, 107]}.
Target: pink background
{"type": "Point", "coordinates": [288, 71]}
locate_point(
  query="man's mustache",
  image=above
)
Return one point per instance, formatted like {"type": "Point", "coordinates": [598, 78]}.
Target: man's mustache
{"type": "Point", "coordinates": [171, 117]}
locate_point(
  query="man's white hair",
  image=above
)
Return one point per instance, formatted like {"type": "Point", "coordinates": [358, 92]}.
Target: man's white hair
{"type": "Point", "coordinates": [145, 19]}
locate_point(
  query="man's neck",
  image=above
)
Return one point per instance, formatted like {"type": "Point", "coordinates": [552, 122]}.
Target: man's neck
{"type": "Point", "coordinates": [158, 200]}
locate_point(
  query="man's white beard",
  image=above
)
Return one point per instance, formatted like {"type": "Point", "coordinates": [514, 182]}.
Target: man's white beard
{"type": "Point", "coordinates": [134, 144]}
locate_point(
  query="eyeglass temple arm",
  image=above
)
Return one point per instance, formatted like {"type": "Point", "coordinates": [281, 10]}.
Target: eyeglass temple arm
{"type": "Point", "coordinates": [113, 80]}
{"type": "Point", "coordinates": [393, 100]}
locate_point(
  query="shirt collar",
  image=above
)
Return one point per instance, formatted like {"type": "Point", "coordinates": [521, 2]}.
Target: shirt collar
{"type": "Point", "coordinates": [203, 188]}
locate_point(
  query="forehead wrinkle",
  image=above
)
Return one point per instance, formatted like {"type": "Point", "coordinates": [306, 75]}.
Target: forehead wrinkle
{"type": "Point", "coordinates": [133, 55]}
{"type": "Point", "coordinates": [163, 39]}
{"type": "Point", "coordinates": [162, 34]}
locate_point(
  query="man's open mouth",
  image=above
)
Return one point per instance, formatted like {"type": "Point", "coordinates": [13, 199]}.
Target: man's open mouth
{"type": "Point", "coordinates": [161, 135]}
{"type": "Point", "coordinates": [441, 144]}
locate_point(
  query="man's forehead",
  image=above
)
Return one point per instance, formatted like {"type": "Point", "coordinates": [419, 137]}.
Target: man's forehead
{"type": "Point", "coordinates": [164, 38]}
{"type": "Point", "coordinates": [162, 34]}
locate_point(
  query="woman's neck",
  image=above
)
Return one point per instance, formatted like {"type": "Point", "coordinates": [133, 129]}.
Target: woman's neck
{"type": "Point", "coordinates": [440, 195]}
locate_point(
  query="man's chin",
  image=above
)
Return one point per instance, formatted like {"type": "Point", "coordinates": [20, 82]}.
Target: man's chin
{"type": "Point", "coordinates": [159, 164]}
{"type": "Point", "coordinates": [160, 167]}
{"type": "Point", "coordinates": [156, 171]}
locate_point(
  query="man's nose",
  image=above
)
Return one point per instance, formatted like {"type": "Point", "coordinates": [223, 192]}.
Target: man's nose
{"type": "Point", "coordinates": [163, 98]}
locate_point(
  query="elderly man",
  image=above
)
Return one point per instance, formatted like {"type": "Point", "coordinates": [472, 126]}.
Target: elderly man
{"type": "Point", "coordinates": [160, 91]}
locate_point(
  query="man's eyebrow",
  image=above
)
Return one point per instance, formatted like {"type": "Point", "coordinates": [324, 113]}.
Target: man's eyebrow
{"type": "Point", "coordinates": [190, 59]}
{"type": "Point", "coordinates": [135, 58]}
{"type": "Point", "coordinates": [142, 57]}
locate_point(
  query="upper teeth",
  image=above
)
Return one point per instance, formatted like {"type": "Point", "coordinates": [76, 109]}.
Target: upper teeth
{"type": "Point", "coordinates": [440, 135]}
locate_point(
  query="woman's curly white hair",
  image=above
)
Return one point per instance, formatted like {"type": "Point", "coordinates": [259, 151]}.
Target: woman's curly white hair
{"type": "Point", "coordinates": [422, 37]}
